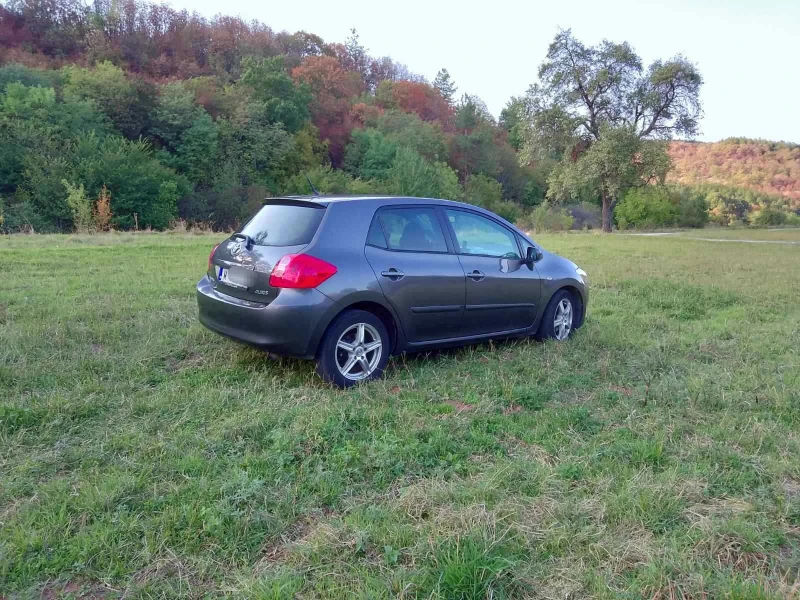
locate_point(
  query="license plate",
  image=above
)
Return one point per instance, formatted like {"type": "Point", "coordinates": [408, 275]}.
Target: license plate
{"type": "Point", "coordinates": [224, 277]}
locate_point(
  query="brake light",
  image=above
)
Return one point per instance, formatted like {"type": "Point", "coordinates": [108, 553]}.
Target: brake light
{"type": "Point", "coordinates": [300, 271]}
{"type": "Point", "coordinates": [210, 256]}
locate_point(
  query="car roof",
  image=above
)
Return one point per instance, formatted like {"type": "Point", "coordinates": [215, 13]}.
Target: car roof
{"type": "Point", "coordinates": [326, 199]}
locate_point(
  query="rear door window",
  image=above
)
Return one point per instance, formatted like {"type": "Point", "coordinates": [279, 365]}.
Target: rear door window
{"type": "Point", "coordinates": [375, 236]}
{"type": "Point", "coordinates": [413, 229]}
{"type": "Point", "coordinates": [284, 224]}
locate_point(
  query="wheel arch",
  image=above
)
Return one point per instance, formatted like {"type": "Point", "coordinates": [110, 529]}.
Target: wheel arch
{"type": "Point", "coordinates": [377, 306]}
{"type": "Point", "coordinates": [576, 294]}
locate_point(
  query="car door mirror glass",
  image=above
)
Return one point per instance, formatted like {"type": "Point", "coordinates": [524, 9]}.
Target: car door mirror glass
{"type": "Point", "coordinates": [532, 255]}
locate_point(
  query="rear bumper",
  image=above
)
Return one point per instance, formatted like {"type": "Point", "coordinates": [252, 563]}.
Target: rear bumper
{"type": "Point", "coordinates": [290, 325]}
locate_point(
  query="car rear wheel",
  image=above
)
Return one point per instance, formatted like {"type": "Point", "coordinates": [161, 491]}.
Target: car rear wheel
{"type": "Point", "coordinates": [355, 348]}
{"type": "Point", "coordinates": [558, 321]}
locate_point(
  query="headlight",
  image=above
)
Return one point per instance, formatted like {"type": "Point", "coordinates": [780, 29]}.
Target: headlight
{"type": "Point", "coordinates": [580, 272]}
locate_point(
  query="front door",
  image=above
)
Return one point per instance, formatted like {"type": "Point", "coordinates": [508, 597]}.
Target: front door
{"type": "Point", "coordinates": [417, 272]}
{"type": "Point", "coordinates": [502, 291]}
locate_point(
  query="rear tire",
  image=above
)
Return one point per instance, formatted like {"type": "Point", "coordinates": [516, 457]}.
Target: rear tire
{"type": "Point", "coordinates": [355, 348]}
{"type": "Point", "coordinates": [560, 317]}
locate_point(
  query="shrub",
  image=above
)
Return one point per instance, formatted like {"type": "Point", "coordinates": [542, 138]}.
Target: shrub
{"type": "Point", "coordinates": [484, 191]}
{"type": "Point", "coordinates": [330, 181]}
{"type": "Point", "coordinates": [80, 207]}
{"type": "Point", "coordinates": [102, 210]}
{"type": "Point", "coordinates": [726, 209]}
{"type": "Point", "coordinates": [546, 217]}
{"type": "Point", "coordinates": [692, 209]}
{"type": "Point", "coordinates": [508, 210]}
{"type": "Point", "coordinates": [768, 216]}
{"type": "Point", "coordinates": [23, 217]}
{"type": "Point", "coordinates": [647, 207]}
{"type": "Point", "coordinates": [412, 175]}
{"type": "Point", "coordinates": [586, 216]}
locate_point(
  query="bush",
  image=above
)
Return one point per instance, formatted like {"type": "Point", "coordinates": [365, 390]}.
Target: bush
{"type": "Point", "coordinates": [546, 217]}
{"type": "Point", "coordinates": [23, 217]}
{"type": "Point", "coordinates": [726, 209]}
{"type": "Point", "coordinates": [692, 209]}
{"type": "Point", "coordinates": [102, 210]}
{"type": "Point", "coordinates": [647, 207]}
{"type": "Point", "coordinates": [412, 175]}
{"type": "Point", "coordinates": [586, 216]}
{"type": "Point", "coordinates": [80, 207]}
{"type": "Point", "coordinates": [768, 216]}
{"type": "Point", "coordinates": [327, 180]}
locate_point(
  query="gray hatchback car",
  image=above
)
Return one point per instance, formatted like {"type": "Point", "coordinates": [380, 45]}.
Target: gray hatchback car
{"type": "Point", "coordinates": [348, 281]}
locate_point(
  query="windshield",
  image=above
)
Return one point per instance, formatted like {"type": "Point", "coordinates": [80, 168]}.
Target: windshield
{"type": "Point", "coordinates": [284, 224]}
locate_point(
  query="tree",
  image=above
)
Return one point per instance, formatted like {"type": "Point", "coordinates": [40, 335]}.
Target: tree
{"type": "Point", "coordinates": [585, 94]}
{"type": "Point", "coordinates": [80, 206]}
{"type": "Point", "coordinates": [333, 89]}
{"type": "Point", "coordinates": [369, 155]}
{"type": "Point", "coordinates": [407, 129]}
{"type": "Point", "coordinates": [412, 175]}
{"type": "Point", "coordinates": [356, 55]}
{"type": "Point", "coordinates": [513, 118]}
{"type": "Point", "coordinates": [616, 162]}
{"type": "Point", "coordinates": [125, 101]}
{"type": "Point", "coordinates": [420, 98]}
{"type": "Point", "coordinates": [446, 86]}
{"type": "Point", "coordinates": [285, 101]}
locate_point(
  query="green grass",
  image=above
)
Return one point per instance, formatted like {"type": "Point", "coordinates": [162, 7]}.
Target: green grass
{"type": "Point", "coordinates": [657, 454]}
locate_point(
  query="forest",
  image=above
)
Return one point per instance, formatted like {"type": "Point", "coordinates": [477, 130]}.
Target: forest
{"type": "Point", "coordinates": [133, 115]}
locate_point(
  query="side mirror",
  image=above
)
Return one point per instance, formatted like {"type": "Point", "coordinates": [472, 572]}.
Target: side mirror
{"type": "Point", "coordinates": [532, 255]}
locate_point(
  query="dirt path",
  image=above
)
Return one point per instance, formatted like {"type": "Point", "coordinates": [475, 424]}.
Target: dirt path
{"type": "Point", "coordinates": [704, 239]}
{"type": "Point", "coordinates": [745, 241]}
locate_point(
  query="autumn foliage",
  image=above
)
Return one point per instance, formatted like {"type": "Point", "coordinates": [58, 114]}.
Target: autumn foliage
{"type": "Point", "coordinates": [421, 99]}
{"type": "Point", "coordinates": [102, 210]}
{"type": "Point", "coordinates": [332, 88]}
{"type": "Point", "coordinates": [161, 114]}
{"type": "Point", "coordinates": [759, 165]}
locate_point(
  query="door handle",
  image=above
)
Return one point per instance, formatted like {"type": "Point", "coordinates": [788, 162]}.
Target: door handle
{"type": "Point", "coordinates": [476, 275]}
{"type": "Point", "coordinates": [393, 274]}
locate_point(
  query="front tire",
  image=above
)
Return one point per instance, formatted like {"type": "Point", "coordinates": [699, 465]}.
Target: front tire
{"type": "Point", "coordinates": [559, 318]}
{"type": "Point", "coordinates": [355, 348]}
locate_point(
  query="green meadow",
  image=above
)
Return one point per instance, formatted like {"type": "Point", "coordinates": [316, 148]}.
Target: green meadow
{"type": "Point", "coordinates": [655, 455]}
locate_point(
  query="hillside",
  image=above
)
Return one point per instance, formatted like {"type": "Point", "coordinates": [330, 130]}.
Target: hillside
{"type": "Point", "coordinates": [163, 116]}
{"type": "Point", "coordinates": [767, 167]}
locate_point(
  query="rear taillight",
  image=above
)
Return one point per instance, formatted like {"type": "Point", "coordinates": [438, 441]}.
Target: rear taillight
{"type": "Point", "coordinates": [211, 256]}
{"type": "Point", "coordinates": [300, 271]}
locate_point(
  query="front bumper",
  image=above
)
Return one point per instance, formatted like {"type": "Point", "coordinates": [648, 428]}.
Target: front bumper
{"type": "Point", "coordinates": [289, 325]}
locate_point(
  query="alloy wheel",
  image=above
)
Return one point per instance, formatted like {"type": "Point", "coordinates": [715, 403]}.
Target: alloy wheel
{"type": "Point", "coordinates": [358, 351]}
{"type": "Point", "coordinates": [562, 323]}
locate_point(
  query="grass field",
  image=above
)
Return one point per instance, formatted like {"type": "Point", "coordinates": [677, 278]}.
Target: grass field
{"type": "Point", "coordinates": [656, 455]}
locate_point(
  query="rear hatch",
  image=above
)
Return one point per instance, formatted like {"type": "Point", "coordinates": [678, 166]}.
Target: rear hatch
{"type": "Point", "coordinates": [242, 264]}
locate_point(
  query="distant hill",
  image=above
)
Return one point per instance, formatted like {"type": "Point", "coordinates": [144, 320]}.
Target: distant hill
{"type": "Point", "coordinates": [760, 165]}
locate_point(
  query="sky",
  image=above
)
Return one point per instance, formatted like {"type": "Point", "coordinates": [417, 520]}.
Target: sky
{"type": "Point", "coordinates": [748, 51]}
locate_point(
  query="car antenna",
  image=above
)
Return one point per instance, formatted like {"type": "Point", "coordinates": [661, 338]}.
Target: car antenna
{"type": "Point", "coordinates": [313, 189]}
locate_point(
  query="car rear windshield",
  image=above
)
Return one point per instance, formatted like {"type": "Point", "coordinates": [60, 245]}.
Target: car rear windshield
{"type": "Point", "coordinates": [284, 224]}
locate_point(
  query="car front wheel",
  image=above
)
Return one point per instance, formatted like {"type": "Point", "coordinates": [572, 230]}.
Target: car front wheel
{"type": "Point", "coordinates": [355, 348]}
{"type": "Point", "coordinates": [558, 321]}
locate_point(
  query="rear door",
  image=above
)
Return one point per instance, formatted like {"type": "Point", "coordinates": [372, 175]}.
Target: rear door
{"type": "Point", "coordinates": [418, 273]}
{"type": "Point", "coordinates": [502, 292]}
{"type": "Point", "coordinates": [242, 264]}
